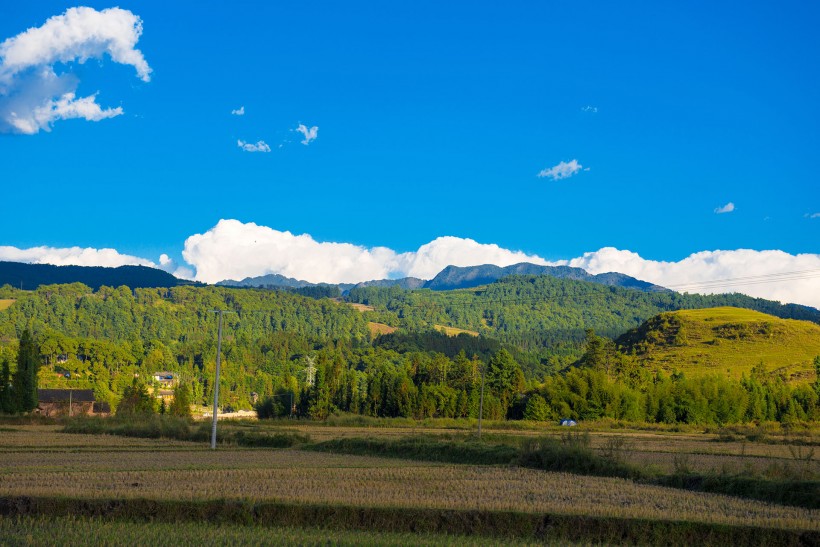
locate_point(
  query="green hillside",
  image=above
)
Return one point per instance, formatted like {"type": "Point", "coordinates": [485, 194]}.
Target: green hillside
{"type": "Point", "coordinates": [725, 340]}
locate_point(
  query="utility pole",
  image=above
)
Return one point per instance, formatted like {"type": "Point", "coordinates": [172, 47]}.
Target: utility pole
{"type": "Point", "coordinates": [481, 400]}
{"type": "Point", "coordinates": [216, 381]}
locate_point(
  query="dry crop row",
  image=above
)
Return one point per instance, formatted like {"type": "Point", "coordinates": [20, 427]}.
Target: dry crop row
{"type": "Point", "coordinates": [316, 478]}
{"type": "Point", "coordinates": [83, 531]}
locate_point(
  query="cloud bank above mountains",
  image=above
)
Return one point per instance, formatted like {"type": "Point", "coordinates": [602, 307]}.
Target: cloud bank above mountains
{"type": "Point", "coordinates": [235, 250]}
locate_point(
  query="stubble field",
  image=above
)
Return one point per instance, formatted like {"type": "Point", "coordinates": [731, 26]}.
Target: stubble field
{"type": "Point", "coordinates": [44, 471]}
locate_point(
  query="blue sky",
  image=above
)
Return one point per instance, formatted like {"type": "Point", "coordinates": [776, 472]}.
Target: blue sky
{"type": "Point", "coordinates": [434, 119]}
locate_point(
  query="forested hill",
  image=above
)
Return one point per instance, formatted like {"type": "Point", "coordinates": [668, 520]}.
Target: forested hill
{"type": "Point", "coordinates": [729, 341]}
{"type": "Point", "coordinates": [455, 277]}
{"type": "Point", "coordinates": [31, 276]}
{"type": "Point", "coordinates": [546, 315]}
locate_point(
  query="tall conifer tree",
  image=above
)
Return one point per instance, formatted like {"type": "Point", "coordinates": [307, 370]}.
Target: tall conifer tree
{"type": "Point", "coordinates": [25, 379]}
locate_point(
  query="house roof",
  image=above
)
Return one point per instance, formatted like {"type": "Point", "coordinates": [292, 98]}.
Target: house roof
{"type": "Point", "coordinates": [65, 395]}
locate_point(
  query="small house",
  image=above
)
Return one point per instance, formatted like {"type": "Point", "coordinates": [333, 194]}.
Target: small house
{"type": "Point", "coordinates": [166, 380]}
{"type": "Point", "coordinates": [66, 402]}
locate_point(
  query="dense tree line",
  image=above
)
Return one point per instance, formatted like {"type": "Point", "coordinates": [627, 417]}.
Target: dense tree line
{"type": "Point", "coordinates": [320, 354]}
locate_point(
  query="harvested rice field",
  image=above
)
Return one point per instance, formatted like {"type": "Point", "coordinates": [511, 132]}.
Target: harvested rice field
{"type": "Point", "coordinates": [42, 463]}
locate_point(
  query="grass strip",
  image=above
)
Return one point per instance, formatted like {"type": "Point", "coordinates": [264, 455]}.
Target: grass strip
{"type": "Point", "coordinates": [26, 531]}
{"type": "Point", "coordinates": [170, 427]}
{"type": "Point", "coordinates": [421, 448]}
{"type": "Point", "coordinates": [540, 527]}
{"type": "Point", "coordinates": [785, 492]}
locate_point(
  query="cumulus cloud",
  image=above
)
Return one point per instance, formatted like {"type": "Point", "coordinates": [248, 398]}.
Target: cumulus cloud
{"type": "Point", "coordinates": [235, 250]}
{"type": "Point", "coordinates": [764, 274]}
{"type": "Point", "coordinates": [260, 146]}
{"type": "Point", "coordinates": [33, 95]}
{"type": "Point", "coordinates": [728, 208]}
{"type": "Point", "coordinates": [89, 256]}
{"type": "Point", "coordinates": [812, 215]}
{"type": "Point", "coordinates": [433, 257]}
{"type": "Point", "coordinates": [309, 134]}
{"type": "Point", "coordinates": [563, 170]}
{"type": "Point", "coordinates": [590, 109]}
{"type": "Point", "coordinates": [72, 256]}
{"type": "Point", "coordinates": [239, 111]}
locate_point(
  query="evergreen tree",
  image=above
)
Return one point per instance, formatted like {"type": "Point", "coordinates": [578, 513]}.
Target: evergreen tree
{"type": "Point", "coordinates": [504, 378]}
{"type": "Point", "coordinates": [25, 378]}
{"type": "Point", "coordinates": [537, 409]}
{"type": "Point", "coordinates": [136, 401]}
{"type": "Point", "coordinates": [181, 405]}
{"type": "Point", "coordinates": [6, 402]}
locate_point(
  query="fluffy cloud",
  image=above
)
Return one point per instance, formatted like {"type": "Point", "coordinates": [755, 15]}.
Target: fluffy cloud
{"type": "Point", "coordinates": [89, 256]}
{"type": "Point", "coordinates": [563, 170]}
{"type": "Point", "coordinates": [433, 257]}
{"type": "Point", "coordinates": [812, 215]}
{"type": "Point", "coordinates": [250, 147]}
{"type": "Point", "coordinates": [72, 256]}
{"type": "Point", "coordinates": [775, 275]}
{"type": "Point", "coordinates": [590, 109]}
{"type": "Point", "coordinates": [235, 250]}
{"type": "Point", "coordinates": [728, 208]}
{"type": "Point", "coordinates": [33, 96]}
{"type": "Point", "coordinates": [239, 111]}
{"type": "Point", "coordinates": [309, 134]}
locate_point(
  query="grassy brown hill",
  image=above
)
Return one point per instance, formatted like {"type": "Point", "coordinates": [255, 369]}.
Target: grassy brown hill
{"type": "Point", "coordinates": [727, 341]}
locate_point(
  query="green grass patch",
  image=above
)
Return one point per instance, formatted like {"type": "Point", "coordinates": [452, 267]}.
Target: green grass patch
{"type": "Point", "coordinates": [170, 427]}
{"type": "Point", "coordinates": [799, 493]}
{"type": "Point", "coordinates": [101, 531]}
{"type": "Point", "coordinates": [726, 341]}
{"type": "Point", "coordinates": [499, 524]}
{"type": "Point", "coordinates": [422, 448]}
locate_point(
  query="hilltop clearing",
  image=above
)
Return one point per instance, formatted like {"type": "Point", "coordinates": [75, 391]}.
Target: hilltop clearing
{"type": "Point", "coordinates": [726, 340]}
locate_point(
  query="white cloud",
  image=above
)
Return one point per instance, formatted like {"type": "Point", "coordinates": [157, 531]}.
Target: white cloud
{"type": "Point", "coordinates": [563, 170]}
{"type": "Point", "coordinates": [235, 250]}
{"type": "Point", "coordinates": [309, 134]}
{"type": "Point", "coordinates": [762, 274]}
{"type": "Point", "coordinates": [728, 208]}
{"type": "Point", "coordinates": [590, 109]}
{"type": "Point", "coordinates": [250, 147]}
{"type": "Point", "coordinates": [72, 256]}
{"type": "Point", "coordinates": [239, 111]}
{"type": "Point", "coordinates": [812, 215]}
{"type": "Point", "coordinates": [33, 96]}
{"type": "Point", "coordinates": [89, 256]}
{"type": "Point", "coordinates": [445, 251]}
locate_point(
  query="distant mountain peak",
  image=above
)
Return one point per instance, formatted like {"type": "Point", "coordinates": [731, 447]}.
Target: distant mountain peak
{"type": "Point", "coordinates": [464, 277]}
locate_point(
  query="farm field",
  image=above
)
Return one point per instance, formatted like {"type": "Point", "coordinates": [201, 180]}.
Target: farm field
{"type": "Point", "coordinates": [67, 530]}
{"type": "Point", "coordinates": [6, 302]}
{"type": "Point", "coordinates": [50, 467]}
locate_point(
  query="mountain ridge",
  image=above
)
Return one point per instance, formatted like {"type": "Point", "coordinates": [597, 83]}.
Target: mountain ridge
{"type": "Point", "coordinates": [31, 276]}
